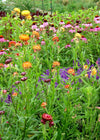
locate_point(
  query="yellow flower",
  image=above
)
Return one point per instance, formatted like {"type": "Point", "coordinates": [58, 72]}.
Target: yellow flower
{"type": "Point", "coordinates": [86, 75]}
{"type": "Point", "coordinates": [93, 71]}
{"type": "Point", "coordinates": [62, 29]}
{"type": "Point", "coordinates": [77, 35]}
{"type": "Point", "coordinates": [16, 10]}
{"type": "Point", "coordinates": [85, 67]}
{"type": "Point", "coordinates": [25, 13]}
{"type": "Point", "coordinates": [28, 17]}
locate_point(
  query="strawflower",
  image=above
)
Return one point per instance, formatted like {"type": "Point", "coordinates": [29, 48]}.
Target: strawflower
{"type": "Point", "coordinates": [27, 65]}
{"type": "Point", "coordinates": [44, 104]}
{"type": "Point", "coordinates": [56, 63]}
{"type": "Point", "coordinates": [25, 13]}
{"type": "Point", "coordinates": [24, 37]}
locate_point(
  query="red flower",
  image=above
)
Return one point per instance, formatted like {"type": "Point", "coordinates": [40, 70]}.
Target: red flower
{"type": "Point", "coordinates": [47, 117]}
{"type": "Point", "coordinates": [51, 123]}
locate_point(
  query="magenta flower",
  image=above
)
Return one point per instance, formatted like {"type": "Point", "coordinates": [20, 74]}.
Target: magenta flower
{"type": "Point", "coordinates": [68, 45]}
{"type": "Point", "coordinates": [1, 53]}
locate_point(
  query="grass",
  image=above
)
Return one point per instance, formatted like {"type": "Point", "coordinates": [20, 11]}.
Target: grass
{"type": "Point", "coordinates": [57, 5]}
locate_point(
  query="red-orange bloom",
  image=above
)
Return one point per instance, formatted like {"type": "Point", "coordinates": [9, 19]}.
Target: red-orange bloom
{"type": "Point", "coordinates": [27, 65]}
{"type": "Point", "coordinates": [14, 94]}
{"type": "Point", "coordinates": [1, 65]}
{"type": "Point", "coordinates": [1, 36]}
{"type": "Point", "coordinates": [55, 39]}
{"type": "Point", "coordinates": [71, 71]}
{"type": "Point", "coordinates": [12, 43]}
{"type": "Point", "coordinates": [24, 37]}
{"type": "Point", "coordinates": [43, 104]}
{"type": "Point", "coordinates": [67, 86]}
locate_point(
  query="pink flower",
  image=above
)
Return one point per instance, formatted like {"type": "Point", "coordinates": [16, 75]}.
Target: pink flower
{"type": "Point", "coordinates": [61, 22]}
{"type": "Point", "coordinates": [45, 24]}
{"type": "Point", "coordinates": [97, 107]}
{"type": "Point", "coordinates": [3, 40]}
{"type": "Point", "coordinates": [34, 27]}
{"type": "Point", "coordinates": [67, 26]}
{"type": "Point", "coordinates": [42, 42]}
{"type": "Point", "coordinates": [68, 45]}
{"type": "Point", "coordinates": [1, 53]}
{"type": "Point", "coordinates": [72, 31]}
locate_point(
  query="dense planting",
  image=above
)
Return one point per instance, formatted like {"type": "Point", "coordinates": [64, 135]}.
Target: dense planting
{"type": "Point", "coordinates": [50, 76]}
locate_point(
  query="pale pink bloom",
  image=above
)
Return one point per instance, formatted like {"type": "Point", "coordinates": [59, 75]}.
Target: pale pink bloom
{"type": "Point", "coordinates": [45, 24]}
{"type": "Point", "coordinates": [1, 53]}
{"type": "Point", "coordinates": [87, 24]}
{"type": "Point", "coordinates": [97, 21]}
{"type": "Point", "coordinates": [3, 40]}
{"type": "Point", "coordinates": [67, 26]}
{"type": "Point", "coordinates": [42, 42]}
{"type": "Point", "coordinates": [97, 107]}
{"type": "Point", "coordinates": [34, 27]}
{"type": "Point", "coordinates": [84, 39]}
{"type": "Point", "coordinates": [37, 29]}
{"type": "Point", "coordinates": [41, 26]}
{"type": "Point", "coordinates": [62, 22]}
{"type": "Point", "coordinates": [72, 31]}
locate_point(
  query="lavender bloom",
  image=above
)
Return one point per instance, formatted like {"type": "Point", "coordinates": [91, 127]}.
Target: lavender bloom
{"type": "Point", "coordinates": [8, 99]}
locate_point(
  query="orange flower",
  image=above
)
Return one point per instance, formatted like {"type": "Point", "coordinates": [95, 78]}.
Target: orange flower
{"type": "Point", "coordinates": [35, 34]}
{"type": "Point", "coordinates": [12, 43]}
{"type": "Point", "coordinates": [66, 86]}
{"type": "Point", "coordinates": [27, 65]}
{"type": "Point", "coordinates": [24, 37]}
{"type": "Point", "coordinates": [43, 104]}
{"type": "Point", "coordinates": [36, 48]}
{"type": "Point", "coordinates": [85, 67]}
{"type": "Point", "coordinates": [55, 39]}
{"type": "Point", "coordinates": [1, 65]}
{"type": "Point", "coordinates": [71, 71]}
{"type": "Point", "coordinates": [15, 73]}
{"type": "Point", "coordinates": [1, 36]}
{"type": "Point", "coordinates": [93, 71]}
{"type": "Point", "coordinates": [14, 94]}
{"type": "Point", "coordinates": [56, 63]}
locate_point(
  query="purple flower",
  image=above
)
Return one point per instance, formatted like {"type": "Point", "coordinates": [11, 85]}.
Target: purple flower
{"type": "Point", "coordinates": [8, 99]}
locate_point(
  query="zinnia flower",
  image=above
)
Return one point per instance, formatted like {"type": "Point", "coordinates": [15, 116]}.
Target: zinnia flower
{"type": "Point", "coordinates": [27, 65]}
{"type": "Point", "coordinates": [24, 37]}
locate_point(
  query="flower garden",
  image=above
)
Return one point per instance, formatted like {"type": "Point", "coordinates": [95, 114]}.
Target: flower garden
{"type": "Point", "coordinates": [50, 75]}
